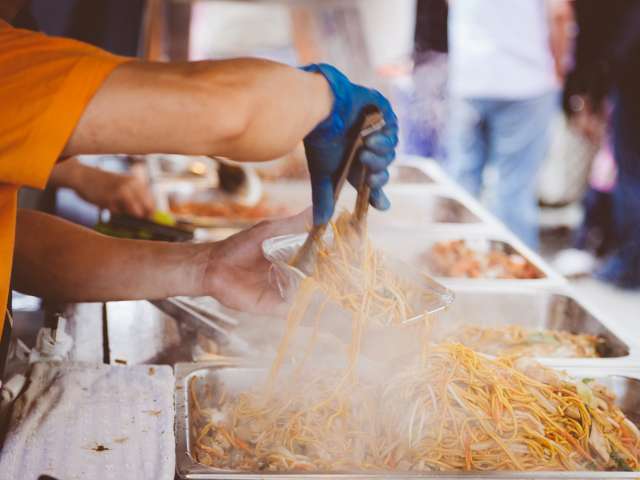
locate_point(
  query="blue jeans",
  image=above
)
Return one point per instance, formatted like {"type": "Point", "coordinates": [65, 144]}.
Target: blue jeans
{"type": "Point", "coordinates": [622, 268]}
{"type": "Point", "coordinates": [511, 136]}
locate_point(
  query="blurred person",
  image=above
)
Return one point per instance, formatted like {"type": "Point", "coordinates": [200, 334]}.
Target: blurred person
{"type": "Point", "coordinates": [63, 98]}
{"type": "Point", "coordinates": [505, 61]}
{"type": "Point", "coordinates": [128, 193]}
{"type": "Point", "coordinates": [426, 112]}
{"type": "Point", "coordinates": [607, 70]}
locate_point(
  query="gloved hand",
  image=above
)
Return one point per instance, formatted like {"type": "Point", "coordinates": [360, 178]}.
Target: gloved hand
{"type": "Point", "coordinates": [327, 144]}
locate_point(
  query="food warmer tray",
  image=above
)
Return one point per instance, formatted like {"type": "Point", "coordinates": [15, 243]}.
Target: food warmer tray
{"type": "Point", "coordinates": [411, 204]}
{"type": "Point", "coordinates": [407, 169]}
{"type": "Point", "coordinates": [403, 174]}
{"type": "Point", "coordinates": [412, 248]}
{"type": "Point", "coordinates": [626, 387]}
{"type": "Point", "coordinates": [479, 305]}
{"type": "Point", "coordinates": [216, 324]}
{"type": "Point", "coordinates": [541, 308]}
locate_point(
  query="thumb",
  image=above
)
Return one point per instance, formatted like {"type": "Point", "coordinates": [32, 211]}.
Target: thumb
{"type": "Point", "coordinates": [322, 196]}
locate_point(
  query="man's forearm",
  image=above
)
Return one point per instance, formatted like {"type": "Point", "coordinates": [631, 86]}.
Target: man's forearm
{"type": "Point", "coordinates": [62, 261]}
{"type": "Point", "coordinates": [246, 109]}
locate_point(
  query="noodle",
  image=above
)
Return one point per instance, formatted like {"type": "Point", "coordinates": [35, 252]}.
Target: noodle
{"type": "Point", "coordinates": [448, 408]}
{"type": "Point", "coordinates": [510, 340]}
{"type": "Point", "coordinates": [352, 273]}
{"type": "Point", "coordinates": [454, 409]}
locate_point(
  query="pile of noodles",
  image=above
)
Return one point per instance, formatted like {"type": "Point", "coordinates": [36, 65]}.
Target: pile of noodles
{"type": "Point", "coordinates": [447, 408]}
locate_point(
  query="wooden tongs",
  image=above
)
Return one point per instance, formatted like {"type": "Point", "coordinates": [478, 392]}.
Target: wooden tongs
{"type": "Point", "coordinates": [370, 121]}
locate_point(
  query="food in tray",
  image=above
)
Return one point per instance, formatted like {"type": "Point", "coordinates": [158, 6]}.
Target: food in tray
{"type": "Point", "coordinates": [226, 209]}
{"type": "Point", "coordinates": [517, 340]}
{"type": "Point", "coordinates": [457, 258]}
{"type": "Point", "coordinates": [452, 409]}
{"type": "Point", "coordinates": [442, 407]}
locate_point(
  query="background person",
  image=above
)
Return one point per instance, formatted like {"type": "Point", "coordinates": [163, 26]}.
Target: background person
{"type": "Point", "coordinates": [505, 59]}
{"type": "Point", "coordinates": [607, 67]}
{"type": "Point", "coordinates": [427, 110]}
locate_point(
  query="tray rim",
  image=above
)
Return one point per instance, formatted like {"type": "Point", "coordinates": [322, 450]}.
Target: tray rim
{"type": "Point", "coordinates": [551, 278]}
{"type": "Point", "coordinates": [187, 467]}
{"type": "Point", "coordinates": [631, 360]}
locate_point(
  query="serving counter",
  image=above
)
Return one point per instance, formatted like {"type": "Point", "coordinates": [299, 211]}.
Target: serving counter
{"type": "Point", "coordinates": [199, 337]}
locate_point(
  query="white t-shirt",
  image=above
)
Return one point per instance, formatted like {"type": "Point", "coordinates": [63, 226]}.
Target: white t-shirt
{"type": "Point", "coordinates": [499, 49]}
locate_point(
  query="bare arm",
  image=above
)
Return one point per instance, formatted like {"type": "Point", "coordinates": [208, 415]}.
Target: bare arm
{"type": "Point", "coordinates": [246, 109]}
{"type": "Point", "coordinates": [77, 264]}
{"type": "Point", "coordinates": [560, 16]}
{"type": "Point", "coordinates": [120, 193]}
{"type": "Point", "coordinates": [58, 260]}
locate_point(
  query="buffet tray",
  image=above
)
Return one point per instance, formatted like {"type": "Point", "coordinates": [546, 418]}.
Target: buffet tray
{"type": "Point", "coordinates": [406, 169]}
{"type": "Point", "coordinates": [482, 304]}
{"type": "Point", "coordinates": [215, 323]}
{"type": "Point", "coordinates": [419, 206]}
{"type": "Point", "coordinates": [411, 205]}
{"type": "Point", "coordinates": [402, 174]}
{"type": "Point", "coordinates": [626, 387]}
{"type": "Point", "coordinates": [540, 308]}
{"type": "Point", "coordinates": [413, 247]}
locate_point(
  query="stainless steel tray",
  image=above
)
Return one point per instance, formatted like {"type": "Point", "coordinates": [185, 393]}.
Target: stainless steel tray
{"type": "Point", "coordinates": [406, 170]}
{"type": "Point", "coordinates": [479, 305]}
{"type": "Point", "coordinates": [413, 247]}
{"type": "Point", "coordinates": [409, 174]}
{"type": "Point", "coordinates": [411, 204]}
{"type": "Point", "coordinates": [539, 308]}
{"type": "Point", "coordinates": [216, 323]}
{"type": "Point", "coordinates": [626, 388]}
{"type": "Point", "coordinates": [277, 207]}
{"type": "Point", "coordinates": [416, 206]}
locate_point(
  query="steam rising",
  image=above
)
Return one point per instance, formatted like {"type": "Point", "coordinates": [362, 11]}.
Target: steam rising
{"type": "Point", "coordinates": [344, 393]}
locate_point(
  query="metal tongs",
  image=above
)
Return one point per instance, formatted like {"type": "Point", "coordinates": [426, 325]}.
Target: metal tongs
{"type": "Point", "coordinates": [371, 121]}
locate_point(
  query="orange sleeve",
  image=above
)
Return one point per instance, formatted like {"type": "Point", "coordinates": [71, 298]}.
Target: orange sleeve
{"type": "Point", "coordinates": [45, 85]}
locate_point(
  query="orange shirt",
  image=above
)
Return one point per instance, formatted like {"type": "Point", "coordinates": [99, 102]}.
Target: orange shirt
{"type": "Point", "coordinates": [45, 85]}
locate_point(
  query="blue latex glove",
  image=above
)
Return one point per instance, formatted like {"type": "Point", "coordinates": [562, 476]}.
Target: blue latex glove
{"type": "Point", "coordinates": [326, 145]}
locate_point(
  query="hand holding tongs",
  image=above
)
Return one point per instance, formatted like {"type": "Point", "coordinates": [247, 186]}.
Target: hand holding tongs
{"type": "Point", "coordinates": [371, 121]}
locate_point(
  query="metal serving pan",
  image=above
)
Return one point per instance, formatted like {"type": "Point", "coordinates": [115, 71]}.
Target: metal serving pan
{"type": "Point", "coordinates": [399, 173]}
{"type": "Point", "coordinates": [415, 207]}
{"type": "Point", "coordinates": [429, 167]}
{"type": "Point", "coordinates": [276, 206]}
{"type": "Point", "coordinates": [539, 309]}
{"type": "Point", "coordinates": [414, 247]}
{"type": "Point", "coordinates": [208, 330]}
{"type": "Point", "coordinates": [480, 305]}
{"type": "Point", "coordinates": [419, 178]}
{"type": "Point", "coordinates": [409, 174]}
{"type": "Point", "coordinates": [238, 378]}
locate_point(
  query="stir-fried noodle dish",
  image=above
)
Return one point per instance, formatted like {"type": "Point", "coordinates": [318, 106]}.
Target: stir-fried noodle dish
{"type": "Point", "coordinates": [517, 340]}
{"type": "Point", "coordinates": [442, 407]}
